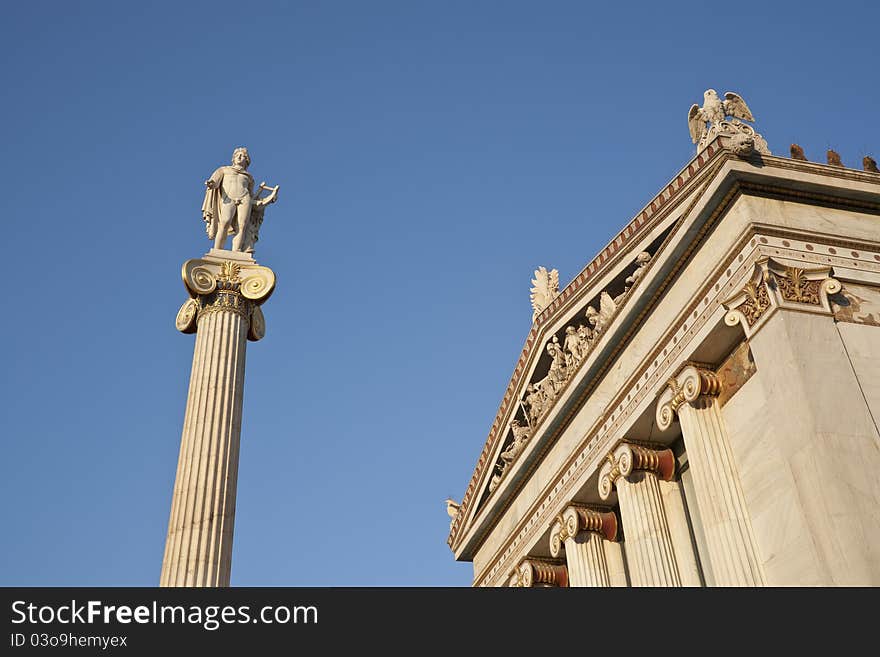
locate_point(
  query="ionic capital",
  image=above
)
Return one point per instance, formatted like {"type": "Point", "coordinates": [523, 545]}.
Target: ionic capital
{"type": "Point", "coordinates": [780, 284]}
{"type": "Point", "coordinates": [796, 285]}
{"type": "Point", "coordinates": [578, 518]}
{"type": "Point", "coordinates": [627, 458]}
{"type": "Point", "coordinates": [202, 277]}
{"type": "Point", "coordinates": [532, 572]}
{"type": "Point", "coordinates": [225, 286]}
{"type": "Point", "coordinates": [691, 383]}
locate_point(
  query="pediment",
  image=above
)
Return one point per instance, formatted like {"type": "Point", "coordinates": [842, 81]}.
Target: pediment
{"type": "Point", "coordinates": [574, 341]}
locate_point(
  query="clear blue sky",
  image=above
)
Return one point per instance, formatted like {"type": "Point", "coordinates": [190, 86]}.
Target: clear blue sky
{"type": "Point", "coordinates": [431, 155]}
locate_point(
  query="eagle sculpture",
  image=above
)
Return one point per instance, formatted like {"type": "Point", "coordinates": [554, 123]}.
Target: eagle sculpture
{"type": "Point", "coordinates": [714, 111]}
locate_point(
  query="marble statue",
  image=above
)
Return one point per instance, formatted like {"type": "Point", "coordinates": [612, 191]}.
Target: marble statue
{"type": "Point", "coordinates": [496, 479]}
{"type": "Point", "coordinates": [545, 289]}
{"type": "Point", "coordinates": [521, 434]}
{"type": "Point", "coordinates": [585, 335]}
{"type": "Point", "coordinates": [558, 372]}
{"type": "Point", "coordinates": [607, 308]}
{"type": "Point", "coordinates": [710, 120]}
{"type": "Point", "coordinates": [452, 509]}
{"type": "Point", "coordinates": [572, 347]}
{"type": "Point", "coordinates": [232, 208]}
{"type": "Point", "coordinates": [593, 319]}
{"type": "Point", "coordinates": [642, 261]}
{"type": "Point", "coordinates": [534, 401]}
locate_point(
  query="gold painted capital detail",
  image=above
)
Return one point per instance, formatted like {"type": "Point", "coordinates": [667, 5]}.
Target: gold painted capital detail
{"type": "Point", "coordinates": [810, 286]}
{"type": "Point", "coordinates": [627, 458]}
{"type": "Point", "coordinates": [578, 518]}
{"type": "Point", "coordinates": [186, 316]}
{"type": "Point", "coordinates": [687, 386]}
{"type": "Point", "coordinates": [535, 573]}
{"type": "Point", "coordinates": [225, 286]}
{"type": "Point", "coordinates": [776, 284]}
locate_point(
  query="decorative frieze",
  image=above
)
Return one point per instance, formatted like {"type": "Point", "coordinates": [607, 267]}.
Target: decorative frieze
{"type": "Point", "coordinates": [565, 355]}
{"type": "Point", "coordinates": [521, 435]}
{"type": "Point", "coordinates": [566, 350]}
{"type": "Point", "coordinates": [577, 340]}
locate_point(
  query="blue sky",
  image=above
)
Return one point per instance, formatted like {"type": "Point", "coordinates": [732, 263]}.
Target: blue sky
{"type": "Point", "coordinates": [431, 155]}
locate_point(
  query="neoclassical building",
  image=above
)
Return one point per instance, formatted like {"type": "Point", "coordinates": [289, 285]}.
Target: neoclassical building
{"type": "Point", "coordinates": [700, 405]}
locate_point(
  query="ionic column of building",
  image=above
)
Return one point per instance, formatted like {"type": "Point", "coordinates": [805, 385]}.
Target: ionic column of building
{"type": "Point", "coordinates": [533, 573]}
{"type": "Point", "coordinates": [583, 533]}
{"type": "Point", "coordinates": [634, 470]}
{"type": "Point", "coordinates": [692, 395]}
{"type": "Point", "coordinates": [223, 312]}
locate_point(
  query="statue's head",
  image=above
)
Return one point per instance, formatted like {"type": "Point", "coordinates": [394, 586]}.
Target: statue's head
{"type": "Point", "coordinates": [241, 157]}
{"type": "Point", "coordinates": [710, 93]}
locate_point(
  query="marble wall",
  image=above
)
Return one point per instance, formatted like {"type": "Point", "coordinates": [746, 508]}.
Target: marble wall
{"type": "Point", "coordinates": [808, 453]}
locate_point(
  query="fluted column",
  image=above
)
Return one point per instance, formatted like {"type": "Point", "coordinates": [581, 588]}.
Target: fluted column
{"type": "Point", "coordinates": [583, 533]}
{"type": "Point", "coordinates": [223, 312]}
{"type": "Point", "coordinates": [534, 573]}
{"type": "Point", "coordinates": [692, 395]}
{"type": "Point", "coordinates": [634, 471]}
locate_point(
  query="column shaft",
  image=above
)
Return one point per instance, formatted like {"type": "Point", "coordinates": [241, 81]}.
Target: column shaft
{"type": "Point", "coordinates": [585, 556]}
{"type": "Point", "coordinates": [719, 495]}
{"type": "Point", "coordinates": [198, 549]}
{"type": "Point", "coordinates": [648, 540]}
{"type": "Point", "coordinates": [616, 564]}
{"type": "Point", "coordinates": [680, 532]}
